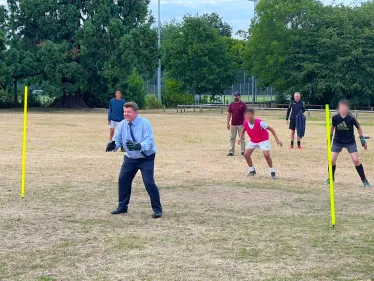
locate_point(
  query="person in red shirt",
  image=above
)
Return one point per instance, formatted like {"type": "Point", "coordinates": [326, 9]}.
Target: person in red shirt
{"type": "Point", "coordinates": [235, 119]}
{"type": "Point", "coordinates": [257, 131]}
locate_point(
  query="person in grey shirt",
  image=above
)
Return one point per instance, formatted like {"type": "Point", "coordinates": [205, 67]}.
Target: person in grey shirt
{"type": "Point", "coordinates": [135, 135]}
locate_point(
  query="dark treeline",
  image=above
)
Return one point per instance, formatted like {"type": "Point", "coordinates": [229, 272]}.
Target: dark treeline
{"type": "Point", "coordinates": [79, 52]}
{"type": "Point", "coordinates": [324, 52]}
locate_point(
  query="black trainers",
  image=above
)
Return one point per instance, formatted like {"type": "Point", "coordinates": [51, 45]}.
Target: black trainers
{"type": "Point", "coordinates": [273, 176]}
{"type": "Point", "coordinates": [230, 154]}
{"type": "Point", "coordinates": [242, 153]}
{"type": "Point", "coordinates": [252, 173]}
{"type": "Point", "coordinates": [156, 215]}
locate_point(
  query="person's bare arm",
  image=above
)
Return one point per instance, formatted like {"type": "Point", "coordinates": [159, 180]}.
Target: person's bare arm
{"type": "Point", "coordinates": [228, 120]}
{"type": "Point", "coordinates": [332, 130]}
{"type": "Point", "coordinates": [279, 142]}
{"type": "Point", "coordinates": [241, 136]}
{"type": "Point", "coordinates": [360, 133]}
{"type": "Point", "coordinates": [288, 112]}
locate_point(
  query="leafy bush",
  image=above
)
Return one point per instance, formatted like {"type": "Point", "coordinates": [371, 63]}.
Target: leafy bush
{"type": "Point", "coordinates": [6, 99]}
{"type": "Point", "coordinates": [172, 99]}
{"type": "Point", "coordinates": [174, 94]}
{"type": "Point", "coordinates": [153, 102]}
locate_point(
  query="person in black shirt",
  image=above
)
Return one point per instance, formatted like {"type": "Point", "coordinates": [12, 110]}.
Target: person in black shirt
{"type": "Point", "coordinates": [343, 126]}
{"type": "Point", "coordinates": [294, 108]}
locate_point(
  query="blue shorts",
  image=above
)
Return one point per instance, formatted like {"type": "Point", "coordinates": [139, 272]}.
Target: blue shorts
{"type": "Point", "coordinates": [338, 147]}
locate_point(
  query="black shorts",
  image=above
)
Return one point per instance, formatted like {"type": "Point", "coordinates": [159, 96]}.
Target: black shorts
{"type": "Point", "coordinates": [338, 147]}
{"type": "Point", "coordinates": [292, 124]}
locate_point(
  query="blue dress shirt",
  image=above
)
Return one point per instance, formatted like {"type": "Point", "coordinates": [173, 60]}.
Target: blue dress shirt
{"type": "Point", "coordinates": [143, 134]}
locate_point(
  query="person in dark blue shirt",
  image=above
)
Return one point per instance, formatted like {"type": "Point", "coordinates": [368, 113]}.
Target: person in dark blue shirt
{"type": "Point", "coordinates": [296, 106]}
{"type": "Point", "coordinates": [115, 113]}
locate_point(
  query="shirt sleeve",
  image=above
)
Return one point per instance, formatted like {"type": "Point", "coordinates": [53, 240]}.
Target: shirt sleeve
{"type": "Point", "coordinates": [118, 137]}
{"type": "Point", "coordinates": [355, 122]}
{"type": "Point", "coordinates": [289, 111]}
{"type": "Point", "coordinates": [303, 109]}
{"type": "Point", "coordinates": [229, 109]}
{"type": "Point", "coordinates": [147, 143]}
{"type": "Point", "coordinates": [264, 125]}
{"type": "Point", "coordinates": [333, 121]}
{"type": "Point", "coordinates": [109, 111]}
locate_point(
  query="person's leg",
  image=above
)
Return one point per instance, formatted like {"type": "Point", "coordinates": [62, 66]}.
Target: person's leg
{"type": "Point", "coordinates": [111, 133]}
{"type": "Point", "coordinates": [268, 158]}
{"type": "Point", "coordinates": [360, 169]}
{"type": "Point", "coordinates": [233, 132]}
{"type": "Point", "coordinates": [334, 158]}
{"type": "Point", "coordinates": [336, 149]}
{"type": "Point", "coordinates": [147, 169]}
{"type": "Point", "coordinates": [242, 143]}
{"type": "Point", "coordinates": [126, 176]}
{"type": "Point", "coordinates": [298, 142]}
{"type": "Point", "coordinates": [292, 137]}
{"type": "Point", "coordinates": [247, 155]}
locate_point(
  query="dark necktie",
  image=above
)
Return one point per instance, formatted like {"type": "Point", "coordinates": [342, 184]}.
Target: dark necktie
{"type": "Point", "coordinates": [131, 132]}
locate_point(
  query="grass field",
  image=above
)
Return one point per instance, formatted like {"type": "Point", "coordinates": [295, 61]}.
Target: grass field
{"type": "Point", "coordinates": [218, 223]}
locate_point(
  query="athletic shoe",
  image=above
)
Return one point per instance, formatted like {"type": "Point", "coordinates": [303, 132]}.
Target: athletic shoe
{"type": "Point", "coordinates": [291, 146]}
{"type": "Point", "coordinates": [242, 153]}
{"type": "Point", "coordinates": [252, 173]}
{"type": "Point", "coordinates": [230, 154]}
{"type": "Point", "coordinates": [366, 183]}
{"type": "Point", "coordinates": [273, 176]}
{"type": "Point", "coordinates": [300, 147]}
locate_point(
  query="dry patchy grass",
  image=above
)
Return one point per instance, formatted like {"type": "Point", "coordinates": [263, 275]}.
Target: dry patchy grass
{"type": "Point", "coordinates": [218, 223]}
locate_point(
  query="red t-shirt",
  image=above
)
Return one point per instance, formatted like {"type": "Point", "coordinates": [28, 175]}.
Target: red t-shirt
{"type": "Point", "coordinates": [237, 110]}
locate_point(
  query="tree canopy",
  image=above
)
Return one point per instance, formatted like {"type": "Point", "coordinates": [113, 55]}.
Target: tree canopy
{"type": "Point", "coordinates": [197, 53]}
{"type": "Point", "coordinates": [325, 52]}
{"type": "Point", "coordinates": [79, 51]}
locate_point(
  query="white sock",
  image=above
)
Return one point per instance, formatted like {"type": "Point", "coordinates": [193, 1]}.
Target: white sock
{"type": "Point", "coordinates": [252, 169]}
{"type": "Point", "coordinates": [272, 170]}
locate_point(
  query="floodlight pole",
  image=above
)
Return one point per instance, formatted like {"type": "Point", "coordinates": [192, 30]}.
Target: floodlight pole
{"type": "Point", "coordinates": [159, 47]}
{"type": "Point", "coordinates": [254, 89]}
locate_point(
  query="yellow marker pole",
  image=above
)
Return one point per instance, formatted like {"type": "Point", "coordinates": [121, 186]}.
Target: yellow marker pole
{"type": "Point", "coordinates": [24, 141]}
{"type": "Point", "coordinates": [329, 157]}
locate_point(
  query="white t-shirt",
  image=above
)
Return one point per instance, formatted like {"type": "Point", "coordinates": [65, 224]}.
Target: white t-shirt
{"type": "Point", "coordinates": [263, 125]}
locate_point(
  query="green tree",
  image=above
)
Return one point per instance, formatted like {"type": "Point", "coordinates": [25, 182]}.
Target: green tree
{"type": "Point", "coordinates": [325, 52]}
{"type": "Point", "coordinates": [3, 68]}
{"type": "Point", "coordinates": [217, 22]}
{"type": "Point", "coordinates": [79, 51]}
{"type": "Point", "coordinates": [196, 54]}
{"type": "Point", "coordinates": [135, 90]}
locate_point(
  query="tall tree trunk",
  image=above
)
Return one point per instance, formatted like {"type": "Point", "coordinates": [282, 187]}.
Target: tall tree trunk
{"type": "Point", "coordinates": [70, 101]}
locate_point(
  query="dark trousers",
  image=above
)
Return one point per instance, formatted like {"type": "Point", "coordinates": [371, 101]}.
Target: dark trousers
{"type": "Point", "coordinates": [128, 171]}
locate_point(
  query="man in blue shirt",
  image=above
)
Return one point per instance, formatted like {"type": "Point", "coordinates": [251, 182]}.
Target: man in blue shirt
{"type": "Point", "coordinates": [115, 113]}
{"type": "Point", "coordinates": [135, 135]}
